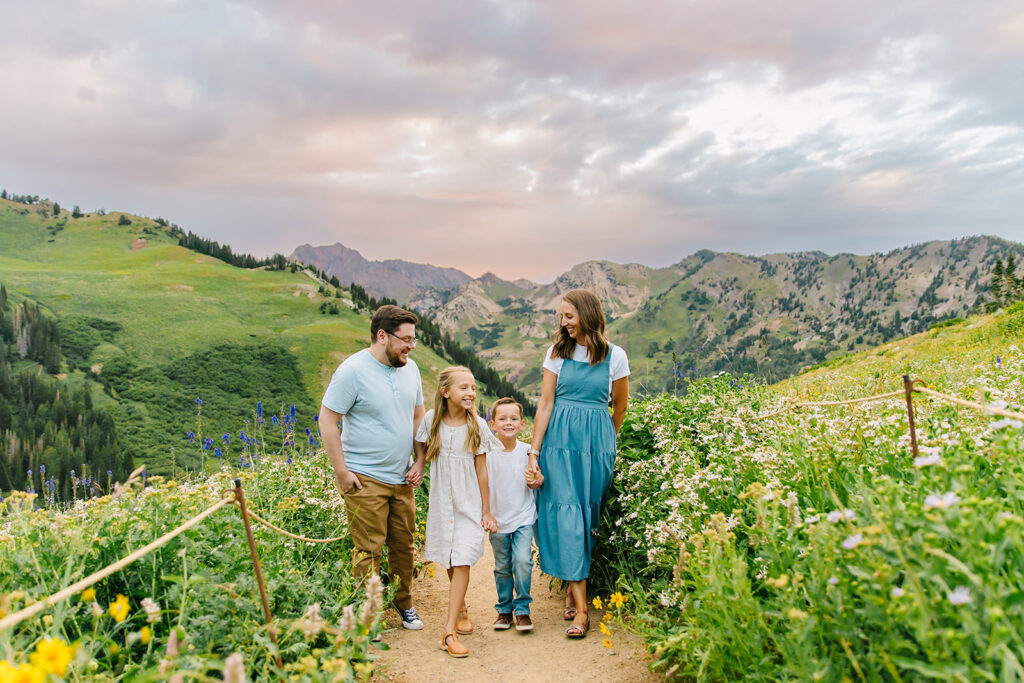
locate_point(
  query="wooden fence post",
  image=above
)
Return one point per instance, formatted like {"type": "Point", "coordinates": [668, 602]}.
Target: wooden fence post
{"type": "Point", "coordinates": [240, 499]}
{"type": "Point", "coordinates": [908, 388]}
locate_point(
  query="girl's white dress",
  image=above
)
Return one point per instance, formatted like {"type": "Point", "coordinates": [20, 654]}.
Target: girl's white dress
{"type": "Point", "coordinates": [454, 535]}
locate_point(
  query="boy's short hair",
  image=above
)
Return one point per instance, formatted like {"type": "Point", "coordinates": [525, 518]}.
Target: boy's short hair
{"type": "Point", "coordinates": [506, 402]}
{"type": "Point", "coordinates": [389, 318]}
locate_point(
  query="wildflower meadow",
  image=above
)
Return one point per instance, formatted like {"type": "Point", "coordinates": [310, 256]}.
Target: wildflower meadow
{"type": "Point", "coordinates": [190, 609]}
{"type": "Point", "coordinates": [812, 544]}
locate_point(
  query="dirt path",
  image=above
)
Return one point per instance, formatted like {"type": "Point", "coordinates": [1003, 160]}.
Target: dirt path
{"type": "Point", "coordinates": [544, 654]}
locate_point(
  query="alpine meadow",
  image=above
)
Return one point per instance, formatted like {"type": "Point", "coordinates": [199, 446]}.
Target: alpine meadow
{"type": "Point", "coordinates": [766, 526]}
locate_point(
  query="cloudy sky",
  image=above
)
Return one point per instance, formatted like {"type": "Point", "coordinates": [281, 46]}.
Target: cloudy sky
{"type": "Point", "coordinates": [524, 137]}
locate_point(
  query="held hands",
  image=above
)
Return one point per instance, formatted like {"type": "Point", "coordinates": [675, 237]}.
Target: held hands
{"type": "Point", "coordinates": [534, 478]}
{"type": "Point", "coordinates": [414, 475]}
{"type": "Point", "coordinates": [489, 523]}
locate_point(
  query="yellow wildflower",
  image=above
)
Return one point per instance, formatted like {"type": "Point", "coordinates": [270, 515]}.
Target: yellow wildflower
{"type": "Point", "coordinates": [26, 673]}
{"type": "Point", "coordinates": [363, 669]}
{"type": "Point", "coordinates": [604, 629]}
{"type": "Point", "coordinates": [617, 599]}
{"type": "Point", "coordinates": [53, 656]}
{"type": "Point", "coordinates": [781, 582]}
{"type": "Point", "coordinates": [119, 608]}
{"type": "Point", "coordinates": [795, 613]}
{"type": "Point", "coordinates": [597, 602]}
{"type": "Point", "coordinates": [88, 595]}
{"type": "Point", "coordinates": [145, 635]}
{"type": "Point", "coordinates": [607, 642]}
{"type": "Point", "coordinates": [115, 649]}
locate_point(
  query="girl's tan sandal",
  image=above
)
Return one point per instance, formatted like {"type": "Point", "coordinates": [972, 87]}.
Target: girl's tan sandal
{"type": "Point", "coordinates": [454, 648]}
{"type": "Point", "coordinates": [463, 625]}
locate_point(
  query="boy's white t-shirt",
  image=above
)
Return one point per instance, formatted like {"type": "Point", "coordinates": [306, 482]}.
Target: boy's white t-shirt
{"type": "Point", "coordinates": [512, 501]}
{"type": "Point", "coordinates": [617, 360]}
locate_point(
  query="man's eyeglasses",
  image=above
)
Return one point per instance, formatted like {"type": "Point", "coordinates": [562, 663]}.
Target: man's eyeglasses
{"type": "Point", "coordinates": [408, 341]}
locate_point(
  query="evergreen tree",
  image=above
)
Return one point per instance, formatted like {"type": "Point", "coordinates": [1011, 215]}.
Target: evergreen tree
{"type": "Point", "coordinates": [76, 212]}
{"type": "Point", "coordinates": [56, 209]}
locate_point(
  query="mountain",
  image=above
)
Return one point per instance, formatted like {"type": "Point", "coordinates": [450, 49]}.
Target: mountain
{"type": "Point", "coordinates": [393, 278]}
{"type": "Point", "coordinates": [767, 315]}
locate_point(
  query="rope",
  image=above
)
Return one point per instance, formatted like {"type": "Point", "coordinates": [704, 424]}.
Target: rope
{"type": "Point", "coordinates": [291, 535]}
{"type": "Point", "coordinates": [96, 577]}
{"type": "Point", "coordinates": [970, 404]}
{"type": "Point", "coordinates": [818, 404]}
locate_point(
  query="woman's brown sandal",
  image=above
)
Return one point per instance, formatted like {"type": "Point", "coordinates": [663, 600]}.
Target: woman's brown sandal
{"type": "Point", "coordinates": [569, 613]}
{"type": "Point", "coordinates": [455, 649]}
{"type": "Point", "coordinates": [578, 630]}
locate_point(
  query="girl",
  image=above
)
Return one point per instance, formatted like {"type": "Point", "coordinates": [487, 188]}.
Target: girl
{"type": "Point", "coordinates": [455, 440]}
{"type": "Point", "coordinates": [574, 440]}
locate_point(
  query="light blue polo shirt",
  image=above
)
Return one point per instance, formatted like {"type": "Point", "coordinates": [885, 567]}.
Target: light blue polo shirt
{"type": "Point", "coordinates": [377, 402]}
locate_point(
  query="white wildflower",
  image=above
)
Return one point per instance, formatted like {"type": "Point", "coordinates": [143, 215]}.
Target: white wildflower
{"type": "Point", "coordinates": [311, 623]}
{"type": "Point", "coordinates": [944, 501]}
{"type": "Point", "coordinates": [837, 515]}
{"type": "Point", "coordinates": [234, 669]}
{"type": "Point", "coordinates": [152, 610]}
{"type": "Point", "coordinates": [927, 460]}
{"type": "Point", "coordinates": [832, 580]}
{"type": "Point", "coordinates": [1006, 422]}
{"type": "Point", "coordinates": [896, 592]}
{"type": "Point", "coordinates": [961, 595]}
{"type": "Point", "coordinates": [853, 540]}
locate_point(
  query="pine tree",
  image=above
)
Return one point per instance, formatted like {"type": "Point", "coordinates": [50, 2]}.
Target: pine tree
{"type": "Point", "coordinates": [995, 288]}
{"type": "Point", "coordinates": [56, 209]}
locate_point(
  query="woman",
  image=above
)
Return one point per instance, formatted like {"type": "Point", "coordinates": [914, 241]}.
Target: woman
{"type": "Point", "coordinates": [574, 440]}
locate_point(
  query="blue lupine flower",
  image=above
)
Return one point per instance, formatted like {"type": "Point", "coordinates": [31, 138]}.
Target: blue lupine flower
{"type": "Point", "coordinates": [110, 473]}
{"type": "Point", "coordinates": [274, 420]}
{"type": "Point", "coordinates": [242, 436]}
{"type": "Point", "coordinates": [999, 362]}
{"type": "Point", "coordinates": [289, 461]}
{"type": "Point", "coordinates": [42, 470]}
{"type": "Point", "coordinates": [30, 474]}
{"type": "Point", "coordinates": [292, 411]}
{"type": "Point", "coordinates": [191, 436]}
{"type": "Point", "coordinates": [312, 440]}
{"type": "Point", "coordinates": [217, 453]}
{"type": "Point", "coordinates": [259, 409]}
{"type": "Point", "coordinates": [226, 438]}
{"type": "Point", "coordinates": [199, 401]}
{"type": "Point", "coordinates": [307, 431]}
{"type": "Point", "coordinates": [207, 444]}
{"type": "Point", "coordinates": [316, 418]}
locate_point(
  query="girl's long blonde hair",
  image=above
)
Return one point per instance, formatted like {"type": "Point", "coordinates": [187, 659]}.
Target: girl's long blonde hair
{"type": "Point", "coordinates": [473, 435]}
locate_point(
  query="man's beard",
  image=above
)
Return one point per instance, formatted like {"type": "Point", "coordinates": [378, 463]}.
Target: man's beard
{"type": "Point", "coordinates": [394, 359]}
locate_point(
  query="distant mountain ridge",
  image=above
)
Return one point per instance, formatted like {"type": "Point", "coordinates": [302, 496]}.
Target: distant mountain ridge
{"type": "Point", "coordinates": [768, 315]}
{"type": "Point", "coordinates": [394, 278]}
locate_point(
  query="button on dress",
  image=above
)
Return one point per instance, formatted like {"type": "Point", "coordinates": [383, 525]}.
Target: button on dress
{"type": "Point", "coordinates": [454, 535]}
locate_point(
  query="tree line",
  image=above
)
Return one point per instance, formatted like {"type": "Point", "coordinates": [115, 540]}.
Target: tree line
{"type": "Point", "coordinates": [53, 440]}
{"type": "Point", "coordinates": [1005, 288]}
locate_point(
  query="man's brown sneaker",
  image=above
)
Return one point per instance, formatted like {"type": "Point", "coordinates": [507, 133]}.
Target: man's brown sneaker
{"type": "Point", "coordinates": [503, 622]}
{"type": "Point", "coordinates": [523, 622]}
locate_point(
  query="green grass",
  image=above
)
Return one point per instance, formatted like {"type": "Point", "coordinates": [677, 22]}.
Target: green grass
{"type": "Point", "coordinates": [173, 305]}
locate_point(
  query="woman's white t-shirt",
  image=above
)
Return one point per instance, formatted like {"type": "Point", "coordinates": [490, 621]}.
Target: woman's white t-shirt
{"type": "Point", "coordinates": [616, 358]}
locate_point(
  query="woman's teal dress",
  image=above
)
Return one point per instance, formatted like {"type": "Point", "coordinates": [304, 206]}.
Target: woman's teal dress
{"type": "Point", "coordinates": [577, 460]}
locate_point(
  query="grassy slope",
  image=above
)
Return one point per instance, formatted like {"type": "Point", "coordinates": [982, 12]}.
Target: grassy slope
{"type": "Point", "coordinates": [173, 302]}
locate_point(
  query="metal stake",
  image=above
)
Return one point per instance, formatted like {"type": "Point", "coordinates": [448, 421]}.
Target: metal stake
{"type": "Point", "coordinates": [240, 498]}
{"type": "Point", "coordinates": [908, 388]}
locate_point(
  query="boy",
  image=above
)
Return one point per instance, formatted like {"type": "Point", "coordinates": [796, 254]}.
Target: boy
{"type": "Point", "coordinates": [514, 507]}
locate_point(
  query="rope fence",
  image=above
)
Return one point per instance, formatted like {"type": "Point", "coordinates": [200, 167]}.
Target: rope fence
{"type": "Point", "coordinates": [236, 497]}
{"type": "Point", "coordinates": [98, 576]}
{"type": "Point", "coordinates": [909, 388]}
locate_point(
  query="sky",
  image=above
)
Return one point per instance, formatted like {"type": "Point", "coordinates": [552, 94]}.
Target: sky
{"type": "Point", "coordinates": [519, 137]}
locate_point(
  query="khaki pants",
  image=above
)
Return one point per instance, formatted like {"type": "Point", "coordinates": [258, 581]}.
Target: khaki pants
{"type": "Point", "coordinates": [382, 514]}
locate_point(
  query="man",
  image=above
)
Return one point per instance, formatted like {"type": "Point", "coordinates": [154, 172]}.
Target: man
{"type": "Point", "coordinates": [378, 396]}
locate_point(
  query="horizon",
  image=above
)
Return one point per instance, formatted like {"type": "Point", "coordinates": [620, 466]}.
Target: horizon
{"type": "Point", "coordinates": [520, 137]}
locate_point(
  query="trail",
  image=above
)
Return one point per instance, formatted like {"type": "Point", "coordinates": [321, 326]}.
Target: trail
{"type": "Point", "coordinates": [542, 655]}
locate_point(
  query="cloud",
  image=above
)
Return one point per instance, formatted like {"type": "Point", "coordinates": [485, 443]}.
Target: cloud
{"type": "Point", "coordinates": [523, 137]}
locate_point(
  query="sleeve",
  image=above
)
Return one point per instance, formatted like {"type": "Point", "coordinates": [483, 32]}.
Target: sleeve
{"type": "Point", "coordinates": [419, 387]}
{"type": "Point", "coordinates": [552, 364]}
{"type": "Point", "coordinates": [342, 391]}
{"type": "Point", "coordinates": [488, 442]}
{"type": "Point", "coordinates": [619, 363]}
{"type": "Point", "coordinates": [424, 429]}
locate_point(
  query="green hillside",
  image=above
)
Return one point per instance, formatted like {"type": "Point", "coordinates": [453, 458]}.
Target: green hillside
{"type": "Point", "coordinates": [151, 326]}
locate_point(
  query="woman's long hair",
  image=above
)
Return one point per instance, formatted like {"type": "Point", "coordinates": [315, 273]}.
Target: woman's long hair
{"type": "Point", "coordinates": [590, 327]}
{"type": "Point", "coordinates": [473, 436]}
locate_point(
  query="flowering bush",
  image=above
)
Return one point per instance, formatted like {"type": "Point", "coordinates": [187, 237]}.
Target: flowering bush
{"type": "Point", "coordinates": [192, 606]}
{"type": "Point", "coordinates": [812, 545]}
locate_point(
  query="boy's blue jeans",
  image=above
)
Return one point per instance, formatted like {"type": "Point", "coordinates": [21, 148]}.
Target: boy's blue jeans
{"type": "Point", "coordinates": [513, 568]}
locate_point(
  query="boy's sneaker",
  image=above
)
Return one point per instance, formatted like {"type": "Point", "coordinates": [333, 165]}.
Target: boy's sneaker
{"type": "Point", "coordinates": [410, 619]}
{"type": "Point", "coordinates": [503, 622]}
{"type": "Point", "coordinates": [523, 622]}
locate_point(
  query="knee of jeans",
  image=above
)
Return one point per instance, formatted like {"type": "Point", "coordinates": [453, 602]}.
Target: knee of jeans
{"type": "Point", "coordinates": [523, 563]}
